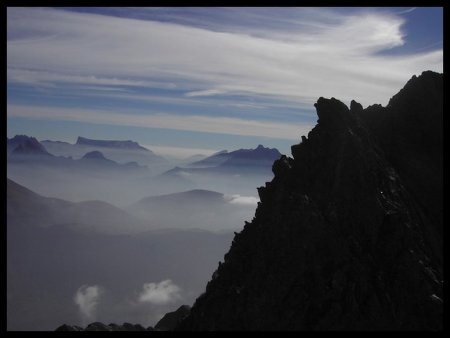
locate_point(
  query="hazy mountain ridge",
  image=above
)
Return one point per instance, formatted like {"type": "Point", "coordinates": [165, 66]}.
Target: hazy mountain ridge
{"type": "Point", "coordinates": [195, 209]}
{"type": "Point", "coordinates": [260, 156]}
{"type": "Point", "coordinates": [341, 239]}
{"type": "Point", "coordinates": [26, 207]}
{"type": "Point", "coordinates": [213, 160]}
{"type": "Point", "coordinates": [118, 151]}
{"type": "Point", "coordinates": [191, 196]}
{"type": "Point", "coordinates": [62, 246]}
{"type": "Point", "coordinates": [92, 176]}
{"type": "Point", "coordinates": [111, 144]}
{"type": "Point", "coordinates": [26, 155]}
{"type": "Point", "coordinates": [239, 171]}
{"type": "Point", "coordinates": [123, 176]}
{"type": "Point", "coordinates": [25, 145]}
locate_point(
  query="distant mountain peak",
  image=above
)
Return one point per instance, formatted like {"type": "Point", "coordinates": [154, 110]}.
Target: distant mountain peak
{"type": "Point", "coordinates": [21, 138]}
{"type": "Point", "coordinates": [258, 156]}
{"type": "Point", "coordinates": [26, 145]}
{"type": "Point", "coordinates": [259, 148]}
{"type": "Point", "coordinates": [253, 157]}
{"type": "Point", "coordinates": [128, 144]}
{"type": "Point", "coordinates": [94, 155]}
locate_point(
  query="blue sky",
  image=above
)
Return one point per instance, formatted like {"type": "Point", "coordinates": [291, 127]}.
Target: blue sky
{"type": "Point", "coordinates": [196, 80]}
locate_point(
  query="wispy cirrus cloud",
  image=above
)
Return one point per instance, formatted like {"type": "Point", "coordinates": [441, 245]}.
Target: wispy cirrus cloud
{"type": "Point", "coordinates": [405, 11]}
{"type": "Point", "coordinates": [330, 54]}
{"type": "Point", "coordinates": [208, 92]}
{"type": "Point", "coordinates": [39, 77]}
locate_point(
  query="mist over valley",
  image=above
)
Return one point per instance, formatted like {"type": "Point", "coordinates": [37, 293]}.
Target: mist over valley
{"type": "Point", "coordinates": [82, 220]}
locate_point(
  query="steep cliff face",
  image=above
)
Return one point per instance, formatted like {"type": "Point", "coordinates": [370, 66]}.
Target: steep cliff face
{"type": "Point", "coordinates": [347, 235]}
{"type": "Point", "coordinates": [410, 132]}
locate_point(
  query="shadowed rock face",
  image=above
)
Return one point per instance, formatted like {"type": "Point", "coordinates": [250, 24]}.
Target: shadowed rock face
{"type": "Point", "coordinates": [172, 319]}
{"type": "Point", "coordinates": [347, 235]}
{"type": "Point", "coordinates": [410, 132]}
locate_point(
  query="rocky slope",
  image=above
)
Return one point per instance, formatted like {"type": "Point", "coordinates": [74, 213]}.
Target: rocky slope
{"type": "Point", "coordinates": [348, 234]}
{"type": "Point", "coordinates": [172, 319]}
{"type": "Point", "coordinates": [98, 326]}
{"type": "Point", "coordinates": [167, 323]}
{"type": "Point", "coordinates": [26, 208]}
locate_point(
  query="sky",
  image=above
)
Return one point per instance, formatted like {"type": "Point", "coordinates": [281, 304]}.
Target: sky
{"type": "Point", "coordinates": [185, 81]}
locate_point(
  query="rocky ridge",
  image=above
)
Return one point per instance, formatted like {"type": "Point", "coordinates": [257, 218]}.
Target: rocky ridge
{"type": "Point", "coordinates": [348, 234]}
{"type": "Point", "coordinates": [166, 323]}
{"type": "Point", "coordinates": [173, 319]}
{"type": "Point", "coordinates": [98, 326]}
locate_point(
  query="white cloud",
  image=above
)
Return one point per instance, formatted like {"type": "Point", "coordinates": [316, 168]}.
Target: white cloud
{"type": "Point", "coordinates": [87, 298]}
{"type": "Point", "coordinates": [242, 200]}
{"type": "Point", "coordinates": [160, 293]}
{"type": "Point", "coordinates": [334, 54]}
{"type": "Point", "coordinates": [206, 124]}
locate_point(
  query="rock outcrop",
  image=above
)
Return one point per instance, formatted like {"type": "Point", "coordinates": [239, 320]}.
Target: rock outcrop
{"type": "Point", "coordinates": [172, 319]}
{"type": "Point", "coordinates": [98, 326]}
{"type": "Point", "coordinates": [348, 234]}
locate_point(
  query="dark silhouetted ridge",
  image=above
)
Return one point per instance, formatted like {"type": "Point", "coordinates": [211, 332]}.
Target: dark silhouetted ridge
{"type": "Point", "coordinates": [172, 319]}
{"type": "Point", "coordinates": [348, 234]}
{"type": "Point", "coordinates": [98, 326]}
